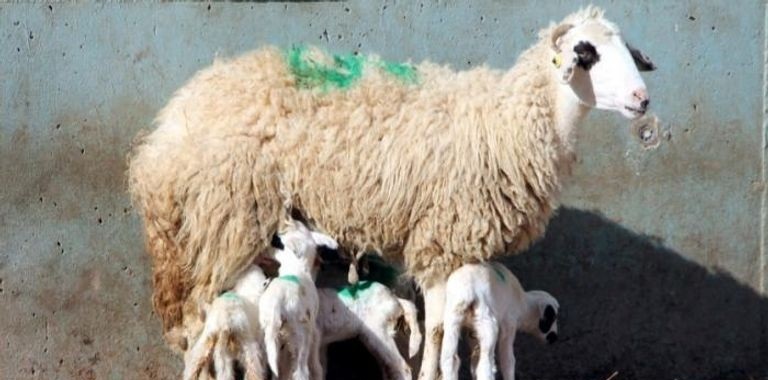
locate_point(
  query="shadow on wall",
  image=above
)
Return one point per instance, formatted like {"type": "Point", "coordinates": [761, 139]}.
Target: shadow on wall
{"type": "Point", "coordinates": [628, 305]}
{"type": "Point", "coordinates": [633, 306]}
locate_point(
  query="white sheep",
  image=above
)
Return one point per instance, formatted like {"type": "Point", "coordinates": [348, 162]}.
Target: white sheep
{"type": "Point", "coordinates": [231, 334]}
{"type": "Point", "coordinates": [289, 306]}
{"type": "Point", "coordinates": [370, 311]}
{"type": "Point", "coordinates": [489, 299]}
{"type": "Point", "coordinates": [433, 168]}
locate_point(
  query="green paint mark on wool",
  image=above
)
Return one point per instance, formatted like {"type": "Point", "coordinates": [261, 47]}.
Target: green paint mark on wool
{"type": "Point", "coordinates": [230, 295]}
{"type": "Point", "coordinates": [290, 278]}
{"type": "Point", "coordinates": [499, 271]}
{"type": "Point", "coordinates": [341, 71]}
{"type": "Point", "coordinates": [403, 71]}
{"type": "Point", "coordinates": [352, 291]}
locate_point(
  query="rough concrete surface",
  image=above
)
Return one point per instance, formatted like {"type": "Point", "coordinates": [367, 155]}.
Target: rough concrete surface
{"type": "Point", "coordinates": [657, 256]}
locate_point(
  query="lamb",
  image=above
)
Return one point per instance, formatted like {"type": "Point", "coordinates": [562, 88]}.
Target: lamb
{"type": "Point", "coordinates": [432, 168]}
{"type": "Point", "coordinates": [289, 306]}
{"type": "Point", "coordinates": [490, 299]}
{"type": "Point", "coordinates": [231, 335]}
{"type": "Point", "coordinates": [370, 311]}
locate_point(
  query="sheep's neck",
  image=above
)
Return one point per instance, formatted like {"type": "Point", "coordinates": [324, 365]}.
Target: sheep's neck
{"type": "Point", "coordinates": [569, 112]}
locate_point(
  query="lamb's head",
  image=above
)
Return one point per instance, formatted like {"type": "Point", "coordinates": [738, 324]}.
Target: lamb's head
{"type": "Point", "coordinates": [590, 56]}
{"type": "Point", "coordinates": [297, 244]}
{"type": "Point", "coordinates": [541, 320]}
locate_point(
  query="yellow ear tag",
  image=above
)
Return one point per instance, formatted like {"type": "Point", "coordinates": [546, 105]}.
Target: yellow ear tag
{"type": "Point", "coordinates": [557, 61]}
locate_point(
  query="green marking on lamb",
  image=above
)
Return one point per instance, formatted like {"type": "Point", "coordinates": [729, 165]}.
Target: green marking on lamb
{"type": "Point", "coordinates": [352, 291]}
{"type": "Point", "coordinates": [290, 278]}
{"type": "Point", "coordinates": [343, 72]}
{"type": "Point", "coordinates": [230, 295]}
{"type": "Point", "coordinates": [499, 271]}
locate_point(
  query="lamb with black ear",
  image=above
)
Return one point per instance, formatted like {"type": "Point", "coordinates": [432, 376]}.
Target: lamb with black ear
{"type": "Point", "coordinates": [489, 299]}
{"type": "Point", "coordinates": [288, 307]}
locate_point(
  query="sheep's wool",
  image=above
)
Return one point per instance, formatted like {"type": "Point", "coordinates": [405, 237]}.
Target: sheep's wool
{"type": "Point", "coordinates": [431, 167]}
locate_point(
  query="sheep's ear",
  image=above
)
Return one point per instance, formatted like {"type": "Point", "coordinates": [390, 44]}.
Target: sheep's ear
{"type": "Point", "coordinates": [642, 61]}
{"type": "Point", "coordinates": [276, 242]}
{"type": "Point", "coordinates": [557, 34]}
{"type": "Point", "coordinates": [323, 239]}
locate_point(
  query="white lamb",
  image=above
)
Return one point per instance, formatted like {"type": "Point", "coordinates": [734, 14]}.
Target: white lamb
{"type": "Point", "coordinates": [289, 306]}
{"type": "Point", "coordinates": [231, 334]}
{"type": "Point", "coordinates": [370, 311]}
{"type": "Point", "coordinates": [489, 299]}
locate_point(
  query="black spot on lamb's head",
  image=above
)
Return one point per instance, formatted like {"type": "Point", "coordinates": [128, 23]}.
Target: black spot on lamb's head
{"type": "Point", "coordinates": [546, 309]}
{"type": "Point", "coordinates": [590, 56]}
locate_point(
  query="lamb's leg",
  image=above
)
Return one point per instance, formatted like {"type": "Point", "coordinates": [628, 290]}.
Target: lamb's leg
{"type": "Point", "coordinates": [434, 299]}
{"type": "Point", "coordinates": [253, 360]}
{"type": "Point", "coordinates": [507, 353]}
{"type": "Point", "coordinates": [302, 349]}
{"type": "Point", "coordinates": [487, 331]}
{"type": "Point", "coordinates": [324, 358]}
{"type": "Point", "coordinates": [314, 356]}
{"type": "Point", "coordinates": [382, 344]}
{"type": "Point", "coordinates": [449, 360]}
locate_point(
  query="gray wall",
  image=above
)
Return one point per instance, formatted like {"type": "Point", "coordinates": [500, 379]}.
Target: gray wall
{"type": "Point", "coordinates": [657, 256]}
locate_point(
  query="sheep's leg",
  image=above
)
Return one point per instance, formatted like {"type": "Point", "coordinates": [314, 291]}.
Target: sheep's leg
{"type": "Point", "coordinates": [487, 331]}
{"type": "Point", "coordinates": [507, 353]}
{"type": "Point", "coordinates": [434, 299]}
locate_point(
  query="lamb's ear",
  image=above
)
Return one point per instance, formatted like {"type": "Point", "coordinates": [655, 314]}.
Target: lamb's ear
{"type": "Point", "coordinates": [323, 239]}
{"type": "Point", "coordinates": [642, 61]}
{"type": "Point", "coordinates": [547, 319]}
{"type": "Point", "coordinates": [276, 242]}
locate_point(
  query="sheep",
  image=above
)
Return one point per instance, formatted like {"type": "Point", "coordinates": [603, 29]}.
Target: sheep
{"type": "Point", "coordinates": [489, 299]}
{"type": "Point", "coordinates": [370, 311]}
{"type": "Point", "coordinates": [288, 307]}
{"type": "Point", "coordinates": [432, 168]}
{"type": "Point", "coordinates": [231, 335]}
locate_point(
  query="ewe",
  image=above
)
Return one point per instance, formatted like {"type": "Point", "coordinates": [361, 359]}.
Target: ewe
{"type": "Point", "coordinates": [431, 167]}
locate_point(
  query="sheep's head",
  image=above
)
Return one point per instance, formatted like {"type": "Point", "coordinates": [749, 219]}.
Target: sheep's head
{"type": "Point", "coordinates": [543, 317]}
{"type": "Point", "coordinates": [296, 242]}
{"type": "Point", "coordinates": [590, 56]}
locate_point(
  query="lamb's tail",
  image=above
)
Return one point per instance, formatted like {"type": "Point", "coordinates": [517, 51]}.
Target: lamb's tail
{"type": "Point", "coordinates": [252, 359]}
{"type": "Point", "coordinates": [411, 319]}
{"type": "Point", "coordinates": [272, 343]}
{"type": "Point", "coordinates": [199, 356]}
{"type": "Point", "coordinates": [225, 369]}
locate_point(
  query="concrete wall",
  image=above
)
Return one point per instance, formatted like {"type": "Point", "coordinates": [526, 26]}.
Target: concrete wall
{"type": "Point", "coordinates": [657, 256]}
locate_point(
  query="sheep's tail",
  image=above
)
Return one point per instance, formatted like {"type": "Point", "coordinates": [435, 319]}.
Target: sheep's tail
{"type": "Point", "coordinates": [411, 319]}
{"type": "Point", "coordinates": [162, 217]}
{"type": "Point", "coordinates": [271, 343]}
{"type": "Point", "coordinates": [199, 356]}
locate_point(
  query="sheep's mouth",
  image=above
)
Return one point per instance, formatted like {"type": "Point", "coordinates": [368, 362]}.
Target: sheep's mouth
{"type": "Point", "coordinates": [637, 111]}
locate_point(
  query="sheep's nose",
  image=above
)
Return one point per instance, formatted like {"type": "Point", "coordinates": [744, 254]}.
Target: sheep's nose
{"type": "Point", "coordinates": [641, 95]}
